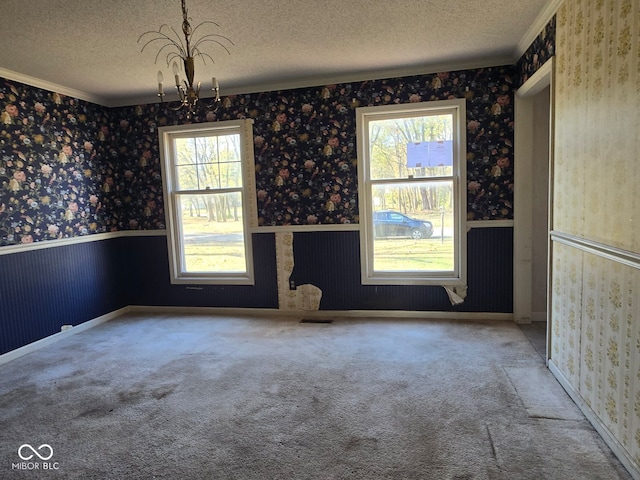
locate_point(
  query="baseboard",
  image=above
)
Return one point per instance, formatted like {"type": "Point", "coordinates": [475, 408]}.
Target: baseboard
{"type": "Point", "coordinates": [32, 347]}
{"type": "Point", "coordinates": [261, 312]}
{"type": "Point", "coordinates": [617, 448]}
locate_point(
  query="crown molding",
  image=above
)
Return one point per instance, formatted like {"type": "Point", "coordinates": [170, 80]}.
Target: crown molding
{"type": "Point", "coordinates": [536, 27]}
{"type": "Point", "coordinates": [52, 87]}
{"type": "Point", "coordinates": [315, 81]}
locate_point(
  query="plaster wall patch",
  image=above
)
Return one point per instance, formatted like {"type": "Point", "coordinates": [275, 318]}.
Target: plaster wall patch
{"type": "Point", "coordinates": [304, 297]}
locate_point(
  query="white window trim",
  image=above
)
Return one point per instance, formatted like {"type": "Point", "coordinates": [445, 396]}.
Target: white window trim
{"type": "Point", "coordinates": [370, 277]}
{"type": "Point", "coordinates": [250, 218]}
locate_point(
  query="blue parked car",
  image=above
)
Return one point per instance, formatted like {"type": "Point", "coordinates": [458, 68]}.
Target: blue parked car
{"type": "Point", "coordinates": [389, 223]}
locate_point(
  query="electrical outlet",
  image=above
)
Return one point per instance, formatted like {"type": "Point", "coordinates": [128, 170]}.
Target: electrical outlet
{"type": "Point", "coordinates": [292, 284]}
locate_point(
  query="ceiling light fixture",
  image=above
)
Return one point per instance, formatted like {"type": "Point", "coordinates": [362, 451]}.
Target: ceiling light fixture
{"type": "Point", "coordinates": [189, 94]}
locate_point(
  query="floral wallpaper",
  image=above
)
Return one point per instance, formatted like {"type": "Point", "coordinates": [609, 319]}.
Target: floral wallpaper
{"type": "Point", "coordinates": [540, 50]}
{"type": "Point", "coordinates": [306, 160]}
{"type": "Point", "coordinates": [72, 168]}
{"type": "Point", "coordinates": [133, 183]}
{"type": "Point", "coordinates": [595, 294]}
{"type": "Point", "coordinates": [305, 145]}
{"type": "Point", "coordinates": [51, 166]}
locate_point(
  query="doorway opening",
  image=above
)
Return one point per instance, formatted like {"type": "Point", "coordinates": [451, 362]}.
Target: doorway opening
{"type": "Point", "coordinates": [532, 219]}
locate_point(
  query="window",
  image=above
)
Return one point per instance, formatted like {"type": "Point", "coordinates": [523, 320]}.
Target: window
{"type": "Point", "coordinates": [412, 193]}
{"type": "Point", "coordinates": [207, 174]}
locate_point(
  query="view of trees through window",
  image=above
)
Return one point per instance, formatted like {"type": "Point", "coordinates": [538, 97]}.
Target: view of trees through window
{"type": "Point", "coordinates": [208, 190]}
{"type": "Point", "coordinates": [412, 193]}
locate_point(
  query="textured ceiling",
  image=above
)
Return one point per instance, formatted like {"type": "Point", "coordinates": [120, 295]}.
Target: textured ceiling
{"type": "Point", "coordinates": [90, 47]}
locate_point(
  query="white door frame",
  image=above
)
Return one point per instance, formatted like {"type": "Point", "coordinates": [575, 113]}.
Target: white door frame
{"type": "Point", "coordinates": [523, 191]}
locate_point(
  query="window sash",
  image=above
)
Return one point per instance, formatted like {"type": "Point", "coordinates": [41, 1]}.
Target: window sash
{"type": "Point", "coordinates": [197, 240]}
{"type": "Point", "coordinates": [372, 272]}
{"type": "Point", "coordinates": [421, 141]}
{"type": "Point", "coordinates": [178, 232]}
{"type": "Point", "coordinates": [204, 161]}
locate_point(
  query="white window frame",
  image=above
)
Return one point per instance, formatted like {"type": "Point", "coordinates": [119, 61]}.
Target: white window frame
{"type": "Point", "coordinates": [456, 107]}
{"type": "Point", "coordinates": [167, 135]}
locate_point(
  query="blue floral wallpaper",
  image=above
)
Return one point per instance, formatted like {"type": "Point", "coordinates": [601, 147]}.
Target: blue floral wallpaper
{"type": "Point", "coordinates": [133, 185]}
{"type": "Point", "coordinates": [71, 168]}
{"type": "Point", "coordinates": [540, 50]}
{"type": "Point", "coordinates": [305, 146]}
{"type": "Point", "coordinates": [51, 165]}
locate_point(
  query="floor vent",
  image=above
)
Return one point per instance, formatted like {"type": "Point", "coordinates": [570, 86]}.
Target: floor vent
{"type": "Point", "coordinates": [316, 320]}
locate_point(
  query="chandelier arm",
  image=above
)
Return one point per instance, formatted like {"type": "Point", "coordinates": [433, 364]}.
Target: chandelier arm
{"type": "Point", "coordinates": [165, 38]}
{"type": "Point", "coordinates": [198, 53]}
{"type": "Point", "coordinates": [155, 39]}
{"type": "Point", "coordinates": [175, 109]}
{"type": "Point", "coordinates": [160, 32]}
{"type": "Point", "coordinates": [204, 23]}
{"type": "Point", "coordinates": [211, 38]}
{"type": "Point", "coordinates": [173, 56]}
{"type": "Point", "coordinates": [184, 50]}
{"type": "Point", "coordinates": [168, 54]}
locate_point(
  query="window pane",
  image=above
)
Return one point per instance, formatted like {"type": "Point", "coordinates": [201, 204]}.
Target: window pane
{"type": "Point", "coordinates": [187, 176]}
{"type": "Point", "coordinates": [212, 233]}
{"type": "Point", "coordinates": [408, 147]}
{"type": "Point", "coordinates": [208, 162]}
{"type": "Point", "coordinates": [413, 227]}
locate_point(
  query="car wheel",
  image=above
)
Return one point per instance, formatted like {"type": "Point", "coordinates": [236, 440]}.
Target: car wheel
{"type": "Point", "coordinates": [416, 234]}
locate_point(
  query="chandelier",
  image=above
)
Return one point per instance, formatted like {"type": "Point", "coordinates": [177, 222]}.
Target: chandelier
{"type": "Point", "coordinates": [175, 49]}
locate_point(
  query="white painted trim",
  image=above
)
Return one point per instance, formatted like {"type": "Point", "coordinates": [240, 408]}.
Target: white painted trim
{"type": "Point", "coordinates": [626, 257]}
{"type": "Point", "coordinates": [323, 227]}
{"type": "Point", "coordinates": [617, 448]}
{"type": "Point", "coordinates": [364, 115]}
{"type": "Point", "coordinates": [274, 312]}
{"type": "Point", "coordinates": [309, 82]}
{"type": "Point", "coordinates": [52, 87]}
{"type": "Point", "coordinates": [489, 223]}
{"type": "Point", "coordinates": [538, 81]}
{"type": "Point", "coordinates": [522, 198]}
{"type": "Point", "coordinates": [523, 187]}
{"type": "Point", "coordinates": [321, 80]}
{"type": "Point", "coordinates": [32, 347]}
{"type": "Point", "coordinates": [96, 237]}
{"type": "Point", "coordinates": [168, 135]}
{"type": "Point", "coordinates": [536, 27]}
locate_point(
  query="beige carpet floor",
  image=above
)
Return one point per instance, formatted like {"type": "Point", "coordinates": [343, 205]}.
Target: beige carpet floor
{"type": "Point", "coordinates": [197, 397]}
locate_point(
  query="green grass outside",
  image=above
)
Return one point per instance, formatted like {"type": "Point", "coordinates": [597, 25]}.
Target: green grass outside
{"type": "Point", "coordinates": [391, 254]}
{"type": "Point", "coordinates": [220, 254]}
{"type": "Point", "coordinates": [399, 254]}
